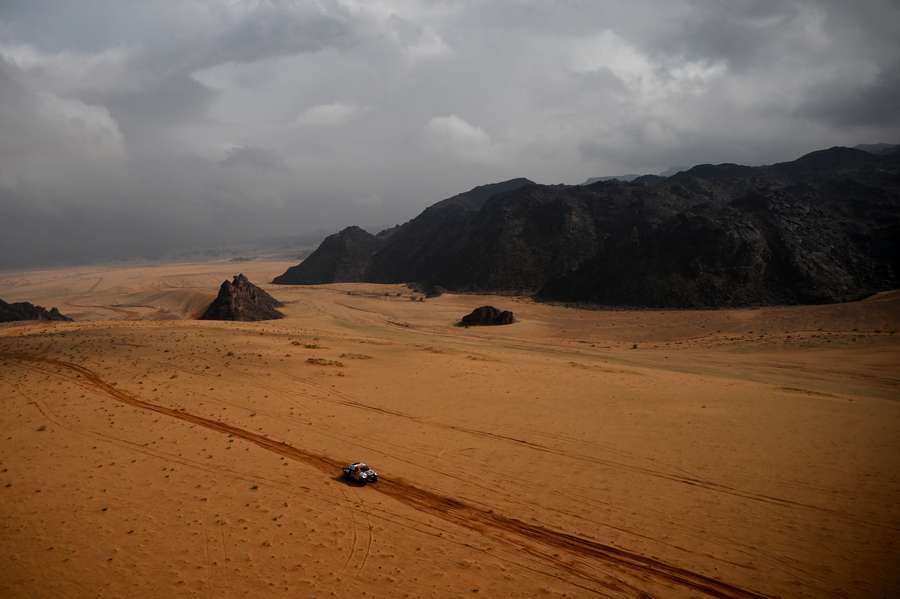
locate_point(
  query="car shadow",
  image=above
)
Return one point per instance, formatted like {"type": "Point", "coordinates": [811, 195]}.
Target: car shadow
{"type": "Point", "coordinates": [350, 483]}
{"type": "Point", "coordinates": [339, 478]}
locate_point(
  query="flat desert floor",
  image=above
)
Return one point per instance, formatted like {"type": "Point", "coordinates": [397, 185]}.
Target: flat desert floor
{"type": "Point", "coordinates": [576, 453]}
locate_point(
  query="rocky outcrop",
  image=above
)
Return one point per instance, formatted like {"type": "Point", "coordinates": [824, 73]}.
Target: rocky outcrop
{"type": "Point", "coordinates": [240, 299]}
{"type": "Point", "coordinates": [428, 290]}
{"type": "Point", "coordinates": [822, 228]}
{"type": "Point", "coordinates": [28, 311]}
{"type": "Point", "coordinates": [342, 257]}
{"type": "Point", "coordinates": [487, 316]}
{"type": "Point", "coordinates": [346, 257]}
{"type": "Point", "coordinates": [420, 249]}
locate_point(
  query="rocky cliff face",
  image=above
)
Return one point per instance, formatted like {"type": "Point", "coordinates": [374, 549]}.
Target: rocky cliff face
{"type": "Point", "coordinates": [240, 299]}
{"type": "Point", "coordinates": [28, 311]}
{"type": "Point", "coordinates": [823, 228]}
{"type": "Point", "coordinates": [342, 257]}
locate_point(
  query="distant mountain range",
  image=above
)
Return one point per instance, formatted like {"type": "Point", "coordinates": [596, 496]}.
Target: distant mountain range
{"type": "Point", "coordinates": [880, 149]}
{"type": "Point", "coordinates": [631, 177]}
{"type": "Point", "coordinates": [822, 228]}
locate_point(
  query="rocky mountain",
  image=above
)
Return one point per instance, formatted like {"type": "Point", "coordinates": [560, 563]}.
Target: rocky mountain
{"type": "Point", "coordinates": [822, 228]}
{"type": "Point", "coordinates": [880, 148]}
{"type": "Point", "coordinates": [341, 257]}
{"type": "Point", "coordinates": [631, 176]}
{"type": "Point", "coordinates": [28, 311]}
{"type": "Point", "coordinates": [240, 299]}
{"type": "Point", "coordinates": [627, 178]}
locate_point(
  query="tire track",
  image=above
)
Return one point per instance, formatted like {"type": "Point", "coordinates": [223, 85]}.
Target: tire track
{"type": "Point", "coordinates": [533, 539]}
{"type": "Point", "coordinates": [165, 456]}
{"type": "Point", "coordinates": [128, 314]}
{"type": "Point", "coordinates": [354, 542]}
{"type": "Point", "coordinates": [685, 478]}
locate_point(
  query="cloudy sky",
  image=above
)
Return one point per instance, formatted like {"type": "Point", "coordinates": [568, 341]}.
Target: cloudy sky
{"type": "Point", "coordinates": [128, 127]}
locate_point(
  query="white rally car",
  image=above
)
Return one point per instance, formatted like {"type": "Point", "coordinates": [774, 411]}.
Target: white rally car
{"type": "Point", "coordinates": [359, 472]}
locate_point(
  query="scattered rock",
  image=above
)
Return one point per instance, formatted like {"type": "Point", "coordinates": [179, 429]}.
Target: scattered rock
{"type": "Point", "coordinates": [487, 316]}
{"type": "Point", "coordinates": [324, 362]}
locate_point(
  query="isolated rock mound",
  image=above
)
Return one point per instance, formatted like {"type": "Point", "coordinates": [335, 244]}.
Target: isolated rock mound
{"type": "Point", "coordinates": [28, 311]}
{"type": "Point", "coordinates": [487, 316]}
{"type": "Point", "coordinates": [341, 258]}
{"type": "Point", "coordinates": [242, 300]}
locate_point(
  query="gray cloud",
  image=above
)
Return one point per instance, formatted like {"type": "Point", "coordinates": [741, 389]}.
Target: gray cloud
{"type": "Point", "coordinates": [255, 158]}
{"type": "Point", "coordinates": [871, 104]}
{"type": "Point", "coordinates": [127, 127]}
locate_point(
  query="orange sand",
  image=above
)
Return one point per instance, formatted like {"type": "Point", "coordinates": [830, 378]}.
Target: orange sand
{"type": "Point", "coordinates": [732, 453]}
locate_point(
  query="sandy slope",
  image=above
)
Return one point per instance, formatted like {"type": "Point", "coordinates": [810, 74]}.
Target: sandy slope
{"type": "Point", "coordinates": [737, 453]}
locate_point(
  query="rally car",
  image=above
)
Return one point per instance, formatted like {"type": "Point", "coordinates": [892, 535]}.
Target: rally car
{"type": "Point", "coordinates": [360, 472]}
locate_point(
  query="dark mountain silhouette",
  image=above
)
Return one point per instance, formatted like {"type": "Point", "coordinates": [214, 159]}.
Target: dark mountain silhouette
{"type": "Point", "coordinates": [242, 300]}
{"type": "Point", "coordinates": [626, 178]}
{"type": "Point", "coordinates": [28, 311]}
{"type": "Point", "coordinates": [881, 148]}
{"type": "Point", "coordinates": [822, 228]}
{"type": "Point", "coordinates": [343, 256]}
{"type": "Point", "coordinates": [631, 176]}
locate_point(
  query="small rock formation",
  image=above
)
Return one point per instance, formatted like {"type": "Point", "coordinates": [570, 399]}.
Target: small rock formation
{"type": "Point", "coordinates": [242, 300]}
{"type": "Point", "coordinates": [486, 316]}
{"type": "Point", "coordinates": [28, 311]}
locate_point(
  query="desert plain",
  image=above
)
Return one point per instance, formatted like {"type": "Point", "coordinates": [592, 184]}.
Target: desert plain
{"type": "Point", "coordinates": [575, 453]}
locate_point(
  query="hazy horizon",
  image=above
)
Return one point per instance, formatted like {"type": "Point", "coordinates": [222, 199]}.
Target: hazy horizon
{"type": "Point", "coordinates": [132, 129]}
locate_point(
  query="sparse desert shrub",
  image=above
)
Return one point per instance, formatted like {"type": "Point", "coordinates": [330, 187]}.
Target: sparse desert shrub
{"type": "Point", "coordinates": [324, 362]}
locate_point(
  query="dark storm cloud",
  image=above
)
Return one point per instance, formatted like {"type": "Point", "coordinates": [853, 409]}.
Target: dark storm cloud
{"type": "Point", "coordinates": [872, 104]}
{"type": "Point", "coordinates": [159, 103]}
{"type": "Point", "coordinates": [131, 127]}
{"type": "Point", "coordinates": [272, 31]}
{"type": "Point", "coordinates": [733, 31]}
{"type": "Point", "coordinates": [260, 158]}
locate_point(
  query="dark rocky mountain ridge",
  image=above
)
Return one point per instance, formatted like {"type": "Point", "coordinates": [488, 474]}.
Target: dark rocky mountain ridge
{"type": "Point", "coordinates": [822, 228]}
{"type": "Point", "coordinates": [343, 256]}
{"type": "Point", "coordinates": [241, 300]}
{"type": "Point", "coordinates": [28, 311]}
{"type": "Point", "coordinates": [879, 148]}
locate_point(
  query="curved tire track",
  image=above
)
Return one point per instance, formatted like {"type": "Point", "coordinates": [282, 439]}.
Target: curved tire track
{"type": "Point", "coordinates": [534, 539]}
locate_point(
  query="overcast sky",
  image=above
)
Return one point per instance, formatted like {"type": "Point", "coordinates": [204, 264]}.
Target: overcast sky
{"type": "Point", "coordinates": [128, 126]}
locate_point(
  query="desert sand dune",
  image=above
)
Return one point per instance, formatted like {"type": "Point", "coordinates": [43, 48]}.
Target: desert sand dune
{"type": "Point", "coordinates": [578, 453]}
